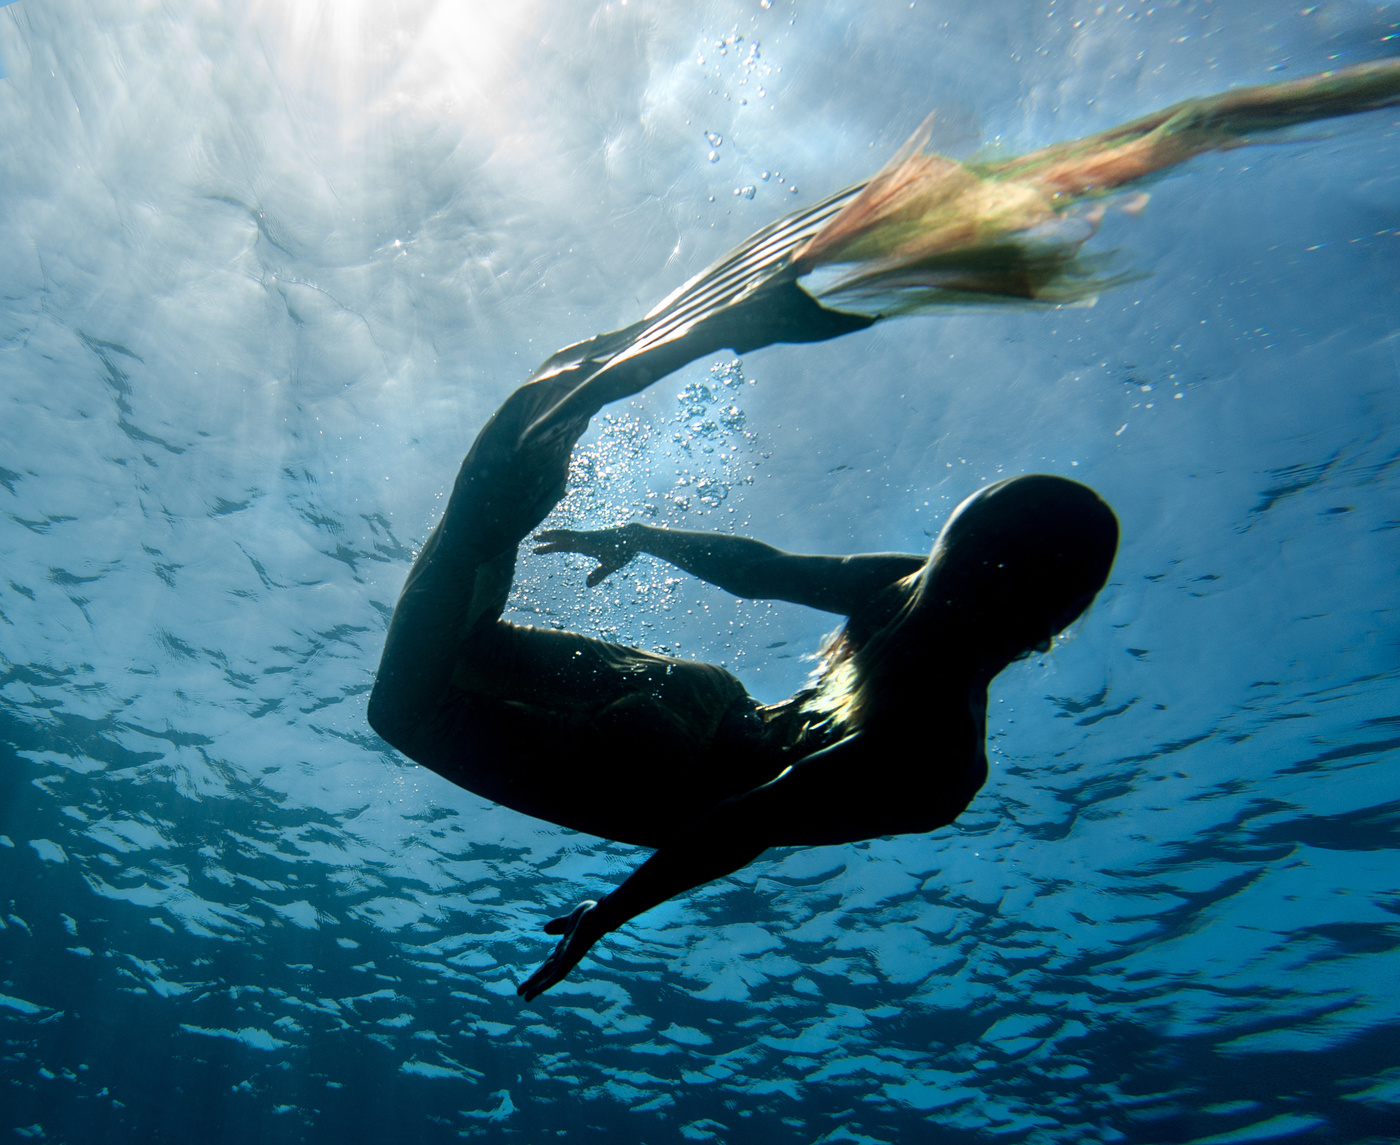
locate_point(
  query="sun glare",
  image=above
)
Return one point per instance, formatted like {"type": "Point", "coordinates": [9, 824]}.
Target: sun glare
{"type": "Point", "coordinates": [369, 58]}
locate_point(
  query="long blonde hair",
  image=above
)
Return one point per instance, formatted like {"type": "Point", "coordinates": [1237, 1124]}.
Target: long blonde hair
{"type": "Point", "coordinates": [1031, 554]}
{"type": "Point", "coordinates": [848, 674]}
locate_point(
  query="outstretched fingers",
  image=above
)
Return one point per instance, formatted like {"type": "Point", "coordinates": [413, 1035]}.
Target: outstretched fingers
{"type": "Point", "coordinates": [559, 541]}
{"type": "Point", "coordinates": [611, 548]}
{"type": "Point", "coordinates": [575, 943]}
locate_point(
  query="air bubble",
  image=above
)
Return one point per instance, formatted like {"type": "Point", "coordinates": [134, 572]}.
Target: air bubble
{"type": "Point", "coordinates": [630, 471]}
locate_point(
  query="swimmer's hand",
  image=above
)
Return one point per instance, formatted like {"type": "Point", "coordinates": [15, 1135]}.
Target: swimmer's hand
{"type": "Point", "coordinates": [611, 548]}
{"type": "Point", "coordinates": [579, 937]}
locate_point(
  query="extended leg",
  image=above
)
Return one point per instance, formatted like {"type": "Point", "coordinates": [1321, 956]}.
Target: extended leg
{"type": "Point", "coordinates": [507, 485]}
{"type": "Point", "coordinates": [516, 470]}
{"type": "Point", "coordinates": [580, 732]}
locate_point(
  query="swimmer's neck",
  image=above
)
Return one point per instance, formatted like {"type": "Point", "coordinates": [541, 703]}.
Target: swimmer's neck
{"type": "Point", "coordinates": [972, 641]}
{"type": "Point", "coordinates": [941, 655]}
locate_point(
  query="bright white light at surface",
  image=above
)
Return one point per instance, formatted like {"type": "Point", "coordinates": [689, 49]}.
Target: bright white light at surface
{"type": "Point", "coordinates": [266, 267]}
{"type": "Point", "coordinates": [369, 58]}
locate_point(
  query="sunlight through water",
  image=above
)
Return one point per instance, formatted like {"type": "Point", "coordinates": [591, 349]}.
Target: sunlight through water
{"type": "Point", "coordinates": [265, 271]}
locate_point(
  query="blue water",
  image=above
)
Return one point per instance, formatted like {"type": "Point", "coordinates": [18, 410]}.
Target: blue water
{"type": "Point", "coordinates": [262, 276]}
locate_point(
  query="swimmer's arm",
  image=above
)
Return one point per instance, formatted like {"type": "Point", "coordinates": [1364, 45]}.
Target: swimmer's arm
{"type": "Point", "coordinates": [830, 797]}
{"type": "Point", "coordinates": [741, 566]}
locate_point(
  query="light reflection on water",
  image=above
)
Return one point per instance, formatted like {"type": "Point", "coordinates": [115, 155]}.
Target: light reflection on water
{"type": "Point", "coordinates": [260, 289]}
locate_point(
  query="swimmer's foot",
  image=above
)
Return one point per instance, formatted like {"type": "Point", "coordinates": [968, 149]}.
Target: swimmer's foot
{"type": "Point", "coordinates": [578, 938]}
{"type": "Point", "coordinates": [929, 232]}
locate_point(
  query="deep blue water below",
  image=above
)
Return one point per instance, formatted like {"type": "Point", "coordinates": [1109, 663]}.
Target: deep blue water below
{"type": "Point", "coordinates": [265, 270]}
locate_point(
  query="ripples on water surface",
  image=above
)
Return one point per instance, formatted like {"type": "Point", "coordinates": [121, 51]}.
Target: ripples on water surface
{"type": "Point", "coordinates": [264, 273]}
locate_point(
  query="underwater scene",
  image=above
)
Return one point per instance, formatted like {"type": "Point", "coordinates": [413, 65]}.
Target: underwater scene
{"type": "Point", "coordinates": [265, 272]}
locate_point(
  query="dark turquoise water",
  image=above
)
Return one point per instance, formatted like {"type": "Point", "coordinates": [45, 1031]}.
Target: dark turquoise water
{"type": "Point", "coordinates": [263, 275]}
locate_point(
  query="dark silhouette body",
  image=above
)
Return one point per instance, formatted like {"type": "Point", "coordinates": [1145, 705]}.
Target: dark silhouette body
{"type": "Point", "coordinates": [675, 755]}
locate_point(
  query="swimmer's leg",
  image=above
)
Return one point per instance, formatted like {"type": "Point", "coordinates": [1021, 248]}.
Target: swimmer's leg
{"type": "Point", "coordinates": [517, 469]}
{"type": "Point", "coordinates": [590, 735]}
{"type": "Point", "coordinates": [747, 300]}
{"type": "Point", "coordinates": [507, 484]}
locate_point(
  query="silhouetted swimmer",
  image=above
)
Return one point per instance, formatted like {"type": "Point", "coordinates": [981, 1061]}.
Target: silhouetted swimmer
{"type": "Point", "coordinates": [674, 754]}
{"type": "Point", "coordinates": [890, 738]}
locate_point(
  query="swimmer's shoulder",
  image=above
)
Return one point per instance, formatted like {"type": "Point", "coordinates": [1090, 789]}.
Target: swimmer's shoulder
{"type": "Point", "coordinates": [880, 610]}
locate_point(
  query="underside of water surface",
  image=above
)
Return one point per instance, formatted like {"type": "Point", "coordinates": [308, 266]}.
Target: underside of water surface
{"type": "Point", "coordinates": [266, 269]}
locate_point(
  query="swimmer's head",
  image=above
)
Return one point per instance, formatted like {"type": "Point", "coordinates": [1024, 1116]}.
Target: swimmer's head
{"type": "Point", "coordinates": [1018, 562]}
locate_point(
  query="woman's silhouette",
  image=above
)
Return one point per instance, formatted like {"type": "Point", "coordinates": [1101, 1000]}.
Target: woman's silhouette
{"type": "Point", "coordinates": [675, 755]}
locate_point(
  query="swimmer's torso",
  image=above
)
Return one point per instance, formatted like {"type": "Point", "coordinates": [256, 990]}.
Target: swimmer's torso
{"type": "Point", "coordinates": [536, 718]}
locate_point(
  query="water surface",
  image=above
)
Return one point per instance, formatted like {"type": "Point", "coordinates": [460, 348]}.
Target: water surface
{"type": "Point", "coordinates": [263, 275]}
